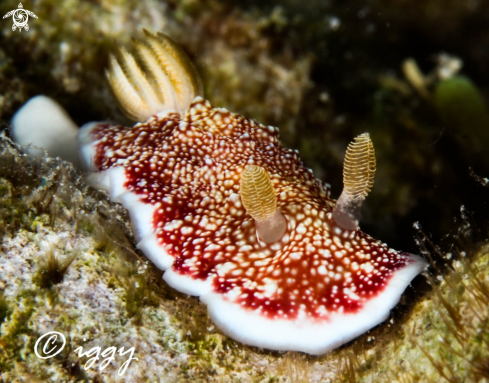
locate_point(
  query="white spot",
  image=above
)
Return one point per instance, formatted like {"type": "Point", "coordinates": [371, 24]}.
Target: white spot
{"type": "Point", "coordinates": [234, 293]}
{"type": "Point", "coordinates": [325, 253]}
{"type": "Point", "coordinates": [368, 267]}
{"type": "Point", "coordinates": [186, 230]}
{"type": "Point", "coordinates": [205, 201]}
{"type": "Point", "coordinates": [270, 287]}
{"type": "Point", "coordinates": [296, 255]}
{"type": "Point", "coordinates": [204, 221]}
{"type": "Point", "coordinates": [235, 199]}
{"type": "Point", "coordinates": [212, 247]}
{"type": "Point", "coordinates": [224, 268]}
{"type": "Point", "coordinates": [322, 310]}
{"type": "Point", "coordinates": [175, 224]}
{"type": "Point", "coordinates": [301, 229]}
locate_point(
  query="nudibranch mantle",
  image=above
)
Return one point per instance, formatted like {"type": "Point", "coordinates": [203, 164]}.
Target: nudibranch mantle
{"type": "Point", "coordinates": [178, 174]}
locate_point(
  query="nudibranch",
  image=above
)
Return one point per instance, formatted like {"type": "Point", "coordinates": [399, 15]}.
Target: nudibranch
{"type": "Point", "coordinates": [236, 218]}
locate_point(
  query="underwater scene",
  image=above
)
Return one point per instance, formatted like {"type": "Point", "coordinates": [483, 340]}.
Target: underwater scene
{"type": "Point", "coordinates": [244, 191]}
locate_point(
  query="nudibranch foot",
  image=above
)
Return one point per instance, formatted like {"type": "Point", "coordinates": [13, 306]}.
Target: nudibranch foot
{"type": "Point", "coordinates": [186, 285]}
{"type": "Point", "coordinates": [235, 218]}
{"type": "Point", "coordinates": [304, 332]}
{"type": "Point", "coordinates": [156, 253]}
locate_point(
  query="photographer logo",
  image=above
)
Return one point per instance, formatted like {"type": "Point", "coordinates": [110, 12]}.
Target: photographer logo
{"type": "Point", "coordinates": [20, 17]}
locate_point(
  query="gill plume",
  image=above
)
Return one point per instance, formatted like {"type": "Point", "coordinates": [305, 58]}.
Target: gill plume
{"type": "Point", "coordinates": [166, 81]}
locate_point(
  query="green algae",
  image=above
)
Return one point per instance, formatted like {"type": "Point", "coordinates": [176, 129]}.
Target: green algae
{"type": "Point", "coordinates": [461, 104]}
{"type": "Point", "coordinates": [16, 214]}
{"type": "Point", "coordinates": [138, 296]}
{"type": "Point", "coordinates": [462, 108]}
{"type": "Point", "coordinates": [18, 325]}
{"type": "Point", "coordinates": [4, 310]}
{"type": "Point", "coordinates": [52, 267]}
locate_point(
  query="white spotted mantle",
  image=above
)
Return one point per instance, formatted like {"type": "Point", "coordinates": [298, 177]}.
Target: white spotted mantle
{"type": "Point", "coordinates": [178, 175]}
